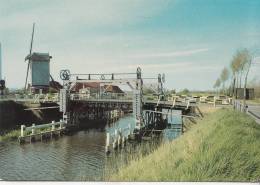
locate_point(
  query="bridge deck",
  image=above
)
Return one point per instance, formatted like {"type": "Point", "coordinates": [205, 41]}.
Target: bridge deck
{"type": "Point", "coordinates": [167, 104]}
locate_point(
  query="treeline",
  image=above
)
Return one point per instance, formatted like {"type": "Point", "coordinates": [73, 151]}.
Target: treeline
{"type": "Point", "coordinates": [237, 73]}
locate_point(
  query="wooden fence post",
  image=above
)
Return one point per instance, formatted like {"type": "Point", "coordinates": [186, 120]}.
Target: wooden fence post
{"type": "Point", "coordinates": [107, 142]}
{"type": "Point", "coordinates": [33, 129]}
{"type": "Point", "coordinates": [61, 124]}
{"type": "Point", "coordinates": [52, 125]}
{"type": "Point", "coordinates": [22, 130]}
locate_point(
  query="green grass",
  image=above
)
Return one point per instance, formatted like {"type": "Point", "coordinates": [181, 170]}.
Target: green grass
{"type": "Point", "coordinates": [224, 146]}
{"type": "Point", "coordinates": [14, 134]}
{"type": "Point", "coordinates": [254, 101]}
{"type": "Point", "coordinates": [10, 136]}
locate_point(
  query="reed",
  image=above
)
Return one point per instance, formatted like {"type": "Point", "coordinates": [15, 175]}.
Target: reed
{"type": "Point", "coordinates": [10, 136]}
{"type": "Point", "coordinates": [14, 134]}
{"type": "Point", "coordinates": [224, 146]}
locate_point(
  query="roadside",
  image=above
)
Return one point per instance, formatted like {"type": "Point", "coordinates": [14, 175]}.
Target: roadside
{"type": "Point", "coordinates": [254, 111]}
{"type": "Point", "coordinates": [223, 146]}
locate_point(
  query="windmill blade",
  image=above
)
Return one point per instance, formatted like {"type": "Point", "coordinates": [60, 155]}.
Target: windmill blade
{"type": "Point", "coordinates": [32, 39]}
{"type": "Point", "coordinates": [27, 72]}
{"type": "Point", "coordinates": [31, 45]}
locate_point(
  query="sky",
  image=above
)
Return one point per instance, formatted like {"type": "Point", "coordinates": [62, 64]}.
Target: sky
{"type": "Point", "coordinates": [190, 41]}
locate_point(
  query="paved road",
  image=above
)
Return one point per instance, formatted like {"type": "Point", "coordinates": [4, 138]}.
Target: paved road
{"type": "Point", "coordinates": [254, 111]}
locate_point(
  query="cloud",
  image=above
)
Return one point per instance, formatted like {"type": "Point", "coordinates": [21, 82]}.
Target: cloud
{"type": "Point", "coordinates": [175, 67]}
{"type": "Point", "coordinates": [63, 14]}
{"type": "Point", "coordinates": [171, 54]}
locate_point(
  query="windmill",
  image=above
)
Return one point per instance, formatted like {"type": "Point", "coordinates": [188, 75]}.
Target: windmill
{"type": "Point", "coordinates": [29, 59]}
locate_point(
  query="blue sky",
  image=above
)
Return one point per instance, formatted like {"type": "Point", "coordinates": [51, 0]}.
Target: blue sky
{"type": "Point", "coordinates": [188, 40]}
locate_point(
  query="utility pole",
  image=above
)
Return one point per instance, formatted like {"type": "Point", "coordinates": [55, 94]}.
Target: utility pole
{"type": "Point", "coordinates": [2, 82]}
{"type": "Point", "coordinates": [0, 61]}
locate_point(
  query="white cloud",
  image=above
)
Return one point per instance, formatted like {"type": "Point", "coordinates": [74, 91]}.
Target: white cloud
{"type": "Point", "coordinates": [171, 54]}
{"type": "Point", "coordinates": [63, 14]}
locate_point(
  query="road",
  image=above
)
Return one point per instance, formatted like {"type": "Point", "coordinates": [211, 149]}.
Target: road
{"type": "Point", "coordinates": [254, 111]}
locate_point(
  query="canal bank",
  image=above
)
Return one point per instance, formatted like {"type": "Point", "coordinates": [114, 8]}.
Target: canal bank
{"type": "Point", "coordinates": [224, 146]}
{"type": "Point", "coordinates": [13, 114]}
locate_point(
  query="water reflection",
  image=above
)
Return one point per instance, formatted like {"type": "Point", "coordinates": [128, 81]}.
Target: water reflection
{"type": "Point", "coordinates": [77, 157]}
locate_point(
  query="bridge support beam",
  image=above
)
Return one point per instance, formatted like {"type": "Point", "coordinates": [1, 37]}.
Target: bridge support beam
{"type": "Point", "coordinates": [137, 101]}
{"type": "Point", "coordinates": [64, 104]}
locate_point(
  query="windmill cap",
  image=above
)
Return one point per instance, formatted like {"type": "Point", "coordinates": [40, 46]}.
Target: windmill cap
{"type": "Point", "coordinates": [38, 57]}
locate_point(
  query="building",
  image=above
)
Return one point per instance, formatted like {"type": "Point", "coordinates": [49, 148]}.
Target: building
{"type": "Point", "coordinates": [96, 89]}
{"type": "Point", "coordinates": [93, 87]}
{"type": "Point", "coordinates": [112, 91]}
{"type": "Point", "coordinates": [40, 72]}
{"type": "Point", "coordinates": [239, 93]}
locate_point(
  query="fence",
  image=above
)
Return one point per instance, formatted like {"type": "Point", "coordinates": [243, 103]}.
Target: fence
{"type": "Point", "coordinates": [118, 137]}
{"type": "Point", "coordinates": [237, 105]}
{"type": "Point", "coordinates": [36, 130]}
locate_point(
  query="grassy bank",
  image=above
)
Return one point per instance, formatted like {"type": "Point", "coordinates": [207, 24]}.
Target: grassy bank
{"type": "Point", "coordinates": [10, 136]}
{"type": "Point", "coordinates": [224, 146]}
{"type": "Point", "coordinates": [14, 134]}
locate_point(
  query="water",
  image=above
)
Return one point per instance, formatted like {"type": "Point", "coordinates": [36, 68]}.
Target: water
{"type": "Point", "coordinates": [71, 158]}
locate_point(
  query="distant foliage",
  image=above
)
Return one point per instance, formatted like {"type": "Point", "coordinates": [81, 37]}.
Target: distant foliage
{"type": "Point", "coordinates": [184, 91]}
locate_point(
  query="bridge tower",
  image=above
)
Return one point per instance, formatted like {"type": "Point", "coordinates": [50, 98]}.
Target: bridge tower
{"type": "Point", "coordinates": [64, 98]}
{"type": "Point", "coordinates": [137, 89]}
{"type": "Point", "coordinates": [137, 100]}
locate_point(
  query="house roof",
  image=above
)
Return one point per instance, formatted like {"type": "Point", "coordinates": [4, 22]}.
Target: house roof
{"type": "Point", "coordinates": [96, 85]}
{"type": "Point", "coordinates": [55, 85]}
{"type": "Point", "coordinates": [81, 85]}
{"type": "Point", "coordinates": [112, 89]}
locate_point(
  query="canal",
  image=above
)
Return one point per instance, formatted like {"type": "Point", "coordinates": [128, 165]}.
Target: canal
{"type": "Point", "coordinates": [78, 157]}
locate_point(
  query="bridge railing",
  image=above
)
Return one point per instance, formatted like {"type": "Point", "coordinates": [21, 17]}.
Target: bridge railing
{"type": "Point", "coordinates": [237, 105]}
{"type": "Point", "coordinates": [95, 96]}
{"type": "Point", "coordinates": [36, 129]}
{"type": "Point", "coordinates": [34, 98]}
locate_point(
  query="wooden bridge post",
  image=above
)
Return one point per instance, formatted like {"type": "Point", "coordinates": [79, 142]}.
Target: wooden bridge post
{"type": "Point", "coordinates": [119, 140]}
{"type": "Point", "coordinates": [123, 141]}
{"type": "Point", "coordinates": [53, 126]}
{"type": "Point", "coordinates": [129, 131]}
{"type": "Point", "coordinates": [32, 137]}
{"type": "Point", "coordinates": [33, 129]}
{"type": "Point", "coordinates": [61, 124]}
{"type": "Point", "coordinates": [119, 137]}
{"type": "Point", "coordinates": [114, 144]}
{"type": "Point", "coordinates": [107, 142]}
{"type": "Point", "coordinates": [115, 133]}
{"type": "Point", "coordinates": [22, 130]}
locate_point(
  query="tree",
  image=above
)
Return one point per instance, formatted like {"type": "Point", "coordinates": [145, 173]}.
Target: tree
{"type": "Point", "coordinates": [184, 92]}
{"type": "Point", "coordinates": [247, 61]}
{"type": "Point", "coordinates": [224, 76]}
{"type": "Point", "coordinates": [234, 74]}
{"type": "Point", "coordinates": [217, 83]}
{"type": "Point", "coordinates": [238, 67]}
{"type": "Point", "coordinates": [244, 57]}
{"type": "Point", "coordinates": [235, 69]}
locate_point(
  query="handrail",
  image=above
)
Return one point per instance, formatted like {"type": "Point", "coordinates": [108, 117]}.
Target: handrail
{"type": "Point", "coordinates": [44, 125]}
{"type": "Point", "coordinates": [34, 127]}
{"type": "Point", "coordinates": [169, 113]}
